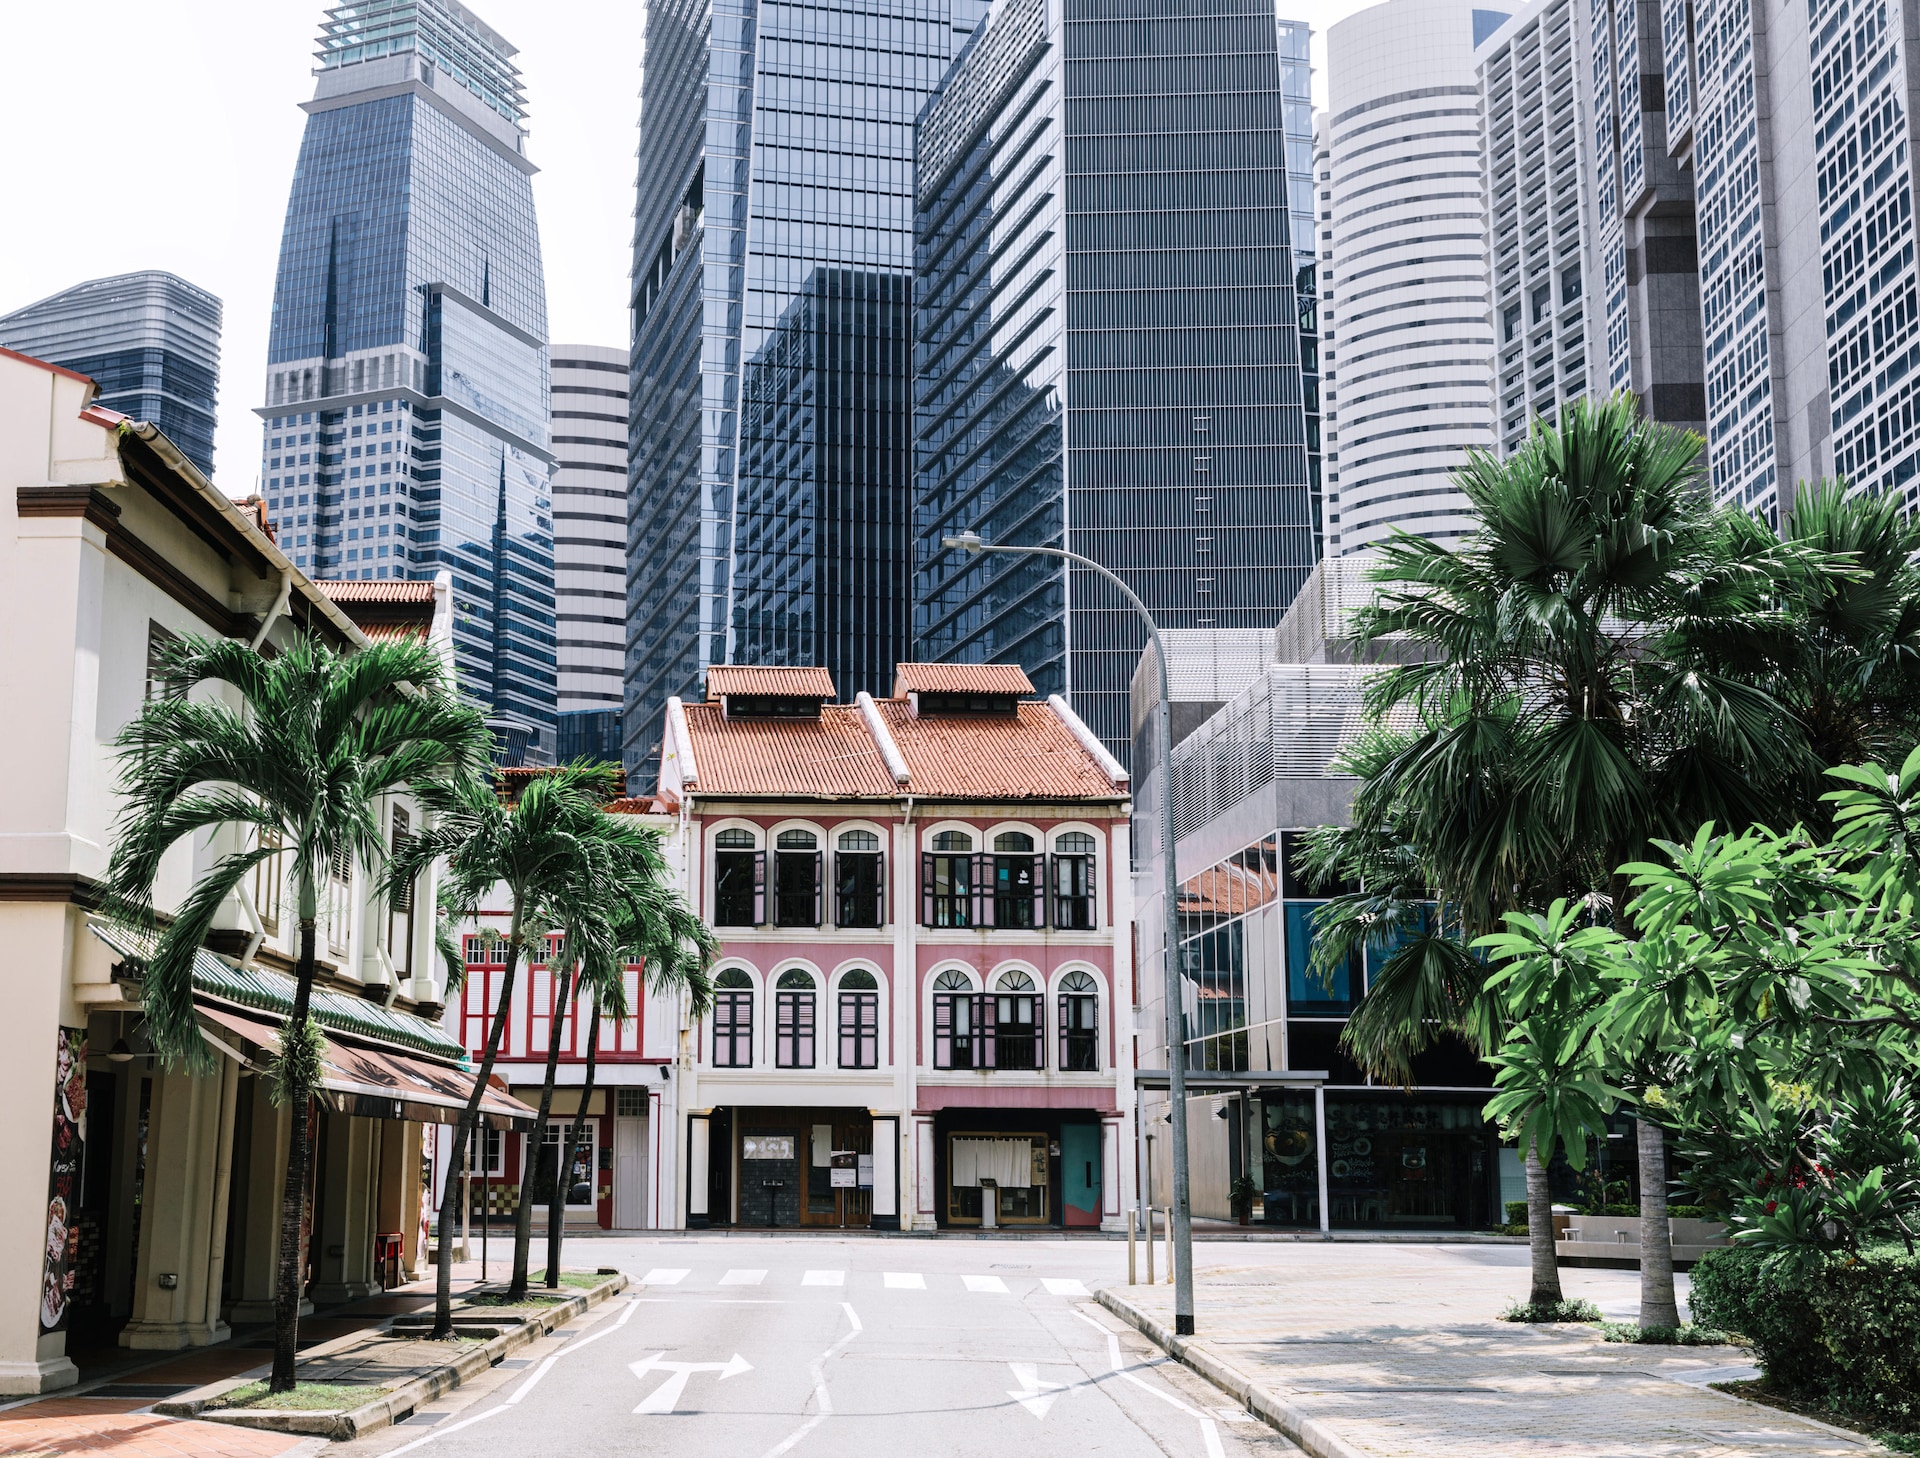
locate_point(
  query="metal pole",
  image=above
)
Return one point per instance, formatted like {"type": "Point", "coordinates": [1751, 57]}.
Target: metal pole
{"type": "Point", "coordinates": [1180, 1232]}
{"type": "Point", "coordinates": [1133, 1219]}
{"type": "Point", "coordinates": [1149, 1223]}
{"type": "Point", "coordinates": [1173, 1266]}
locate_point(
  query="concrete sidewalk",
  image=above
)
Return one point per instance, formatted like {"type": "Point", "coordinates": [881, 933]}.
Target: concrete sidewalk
{"type": "Point", "coordinates": [1356, 1354]}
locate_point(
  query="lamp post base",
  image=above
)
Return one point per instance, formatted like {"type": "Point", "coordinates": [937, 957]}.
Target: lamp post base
{"type": "Point", "coordinates": [1183, 1326]}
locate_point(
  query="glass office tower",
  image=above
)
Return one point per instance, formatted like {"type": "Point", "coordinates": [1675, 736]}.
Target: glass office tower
{"type": "Point", "coordinates": [773, 534]}
{"type": "Point", "coordinates": [407, 376]}
{"type": "Point", "coordinates": [150, 341]}
{"type": "Point", "coordinates": [1107, 344]}
{"type": "Point", "coordinates": [1296, 89]}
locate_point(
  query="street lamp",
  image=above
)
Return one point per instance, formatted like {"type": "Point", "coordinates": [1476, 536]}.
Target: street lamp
{"type": "Point", "coordinates": [970, 543]}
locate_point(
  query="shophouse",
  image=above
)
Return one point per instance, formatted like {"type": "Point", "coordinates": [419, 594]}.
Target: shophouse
{"type": "Point", "coordinates": [156, 1221]}
{"type": "Point", "coordinates": [924, 1007]}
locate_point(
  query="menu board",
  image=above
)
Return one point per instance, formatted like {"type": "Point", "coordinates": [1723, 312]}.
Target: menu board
{"type": "Point", "coordinates": [63, 1177]}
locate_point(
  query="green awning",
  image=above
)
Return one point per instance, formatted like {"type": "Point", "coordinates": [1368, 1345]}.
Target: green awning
{"type": "Point", "coordinates": [266, 990]}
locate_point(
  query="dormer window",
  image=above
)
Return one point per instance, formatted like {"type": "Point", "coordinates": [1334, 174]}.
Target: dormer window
{"type": "Point", "coordinates": [968, 706]}
{"type": "Point", "coordinates": [754, 692]}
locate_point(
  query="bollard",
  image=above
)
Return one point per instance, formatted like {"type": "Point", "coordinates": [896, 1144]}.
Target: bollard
{"type": "Point", "coordinates": [1169, 1245]}
{"type": "Point", "coordinates": [1133, 1218]}
{"type": "Point", "coordinates": [1147, 1214]}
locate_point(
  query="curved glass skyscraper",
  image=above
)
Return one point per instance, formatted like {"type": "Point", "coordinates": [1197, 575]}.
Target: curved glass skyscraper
{"type": "Point", "coordinates": [407, 377]}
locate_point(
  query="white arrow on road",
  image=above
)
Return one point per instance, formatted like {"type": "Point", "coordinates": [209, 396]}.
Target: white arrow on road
{"type": "Point", "coordinates": [1034, 1393]}
{"type": "Point", "coordinates": [667, 1394]}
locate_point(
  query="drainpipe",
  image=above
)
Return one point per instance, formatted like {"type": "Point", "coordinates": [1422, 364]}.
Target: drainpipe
{"type": "Point", "coordinates": [280, 603]}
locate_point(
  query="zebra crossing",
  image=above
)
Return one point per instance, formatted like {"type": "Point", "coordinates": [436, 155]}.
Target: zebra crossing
{"type": "Point", "coordinates": [686, 1278]}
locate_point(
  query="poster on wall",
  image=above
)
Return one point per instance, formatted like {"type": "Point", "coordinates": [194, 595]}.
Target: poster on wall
{"type": "Point", "coordinates": [63, 1177]}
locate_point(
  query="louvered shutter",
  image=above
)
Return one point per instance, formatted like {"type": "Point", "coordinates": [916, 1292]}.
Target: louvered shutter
{"type": "Point", "coordinates": [926, 888]}
{"type": "Point", "coordinates": [1040, 891]}
{"type": "Point", "coordinates": [981, 902]}
{"type": "Point", "coordinates": [819, 885]}
{"type": "Point", "coordinates": [759, 888]}
{"type": "Point", "coordinates": [880, 889]}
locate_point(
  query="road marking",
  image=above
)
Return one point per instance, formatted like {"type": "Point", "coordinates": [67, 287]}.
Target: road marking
{"type": "Point", "coordinates": [985, 1283]}
{"type": "Point", "coordinates": [526, 1385]}
{"type": "Point", "coordinates": [664, 1397]}
{"type": "Point", "coordinates": [743, 1278]}
{"type": "Point", "coordinates": [1057, 1286]}
{"type": "Point", "coordinates": [661, 1276]}
{"type": "Point", "coordinates": [906, 1281]}
{"type": "Point", "coordinates": [824, 1278]}
{"type": "Point", "coordinates": [1034, 1393]}
{"type": "Point", "coordinates": [1212, 1436]}
{"type": "Point", "coordinates": [1209, 1432]}
{"type": "Point", "coordinates": [822, 1399]}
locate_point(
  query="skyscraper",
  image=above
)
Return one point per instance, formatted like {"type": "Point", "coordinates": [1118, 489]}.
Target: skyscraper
{"type": "Point", "coordinates": [150, 341]}
{"type": "Point", "coordinates": [407, 378]}
{"type": "Point", "coordinates": [1107, 339]}
{"type": "Point", "coordinates": [772, 240]}
{"type": "Point", "coordinates": [1407, 344]}
{"type": "Point", "coordinates": [1296, 90]}
{"type": "Point", "coordinates": [589, 545]}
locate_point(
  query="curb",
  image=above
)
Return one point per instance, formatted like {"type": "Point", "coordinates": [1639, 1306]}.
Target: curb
{"type": "Point", "coordinates": [1272, 1409]}
{"type": "Point", "coordinates": [343, 1425]}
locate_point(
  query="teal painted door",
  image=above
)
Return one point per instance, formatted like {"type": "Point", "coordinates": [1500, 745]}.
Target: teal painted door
{"type": "Point", "coordinates": [1080, 1173]}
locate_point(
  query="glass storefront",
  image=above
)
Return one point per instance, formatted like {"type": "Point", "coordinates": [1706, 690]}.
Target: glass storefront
{"type": "Point", "coordinates": [1393, 1161]}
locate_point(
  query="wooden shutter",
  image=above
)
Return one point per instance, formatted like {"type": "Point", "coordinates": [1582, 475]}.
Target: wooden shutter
{"type": "Point", "coordinates": [759, 888]}
{"type": "Point", "coordinates": [926, 888]}
{"type": "Point", "coordinates": [819, 884]}
{"type": "Point", "coordinates": [980, 904]}
{"type": "Point", "coordinates": [880, 888]}
{"type": "Point", "coordinates": [1040, 891]}
{"type": "Point", "coordinates": [984, 1023]}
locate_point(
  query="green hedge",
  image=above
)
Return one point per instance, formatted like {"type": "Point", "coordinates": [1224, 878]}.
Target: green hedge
{"type": "Point", "coordinates": [1843, 1332]}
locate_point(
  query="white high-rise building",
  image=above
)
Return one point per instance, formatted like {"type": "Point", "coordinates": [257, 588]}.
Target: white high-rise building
{"type": "Point", "coordinates": [1407, 338]}
{"type": "Point", "coordinates": [590, 545]}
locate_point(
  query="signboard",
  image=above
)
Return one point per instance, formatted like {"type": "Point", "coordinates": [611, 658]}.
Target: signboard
{"type": "Point", "coordinates": [866, 1171]}
{"type": "Point", "coordinates": [844, 1169]}
{"type": "Point", "coordinates": [63, 1177]}
{"type": "Point", "coordinates": [766, 1146]}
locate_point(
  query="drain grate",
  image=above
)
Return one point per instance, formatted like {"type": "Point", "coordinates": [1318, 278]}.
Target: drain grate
{"type": "Point", "coordinates": [513, 1363]}
{"type": "Point", "coordinates": [424, 1419]}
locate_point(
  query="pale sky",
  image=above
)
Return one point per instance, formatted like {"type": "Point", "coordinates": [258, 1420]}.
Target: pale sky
{"type": "Point", "coordinates": [163, 133]}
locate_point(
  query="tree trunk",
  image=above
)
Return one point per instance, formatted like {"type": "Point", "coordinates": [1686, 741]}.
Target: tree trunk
{"type": "Point", "coordinates": [537, 1141]}
{"type": "Point", "coordinates": [1658, 1306]}
{"type": "Point", "coordinates": [293, 1194]}
{"type": "Point", "coordinates": [1546, 1263]}
{"type": "Point", "coordinates": [463, 1140]}
{"type": "Point", "coordinates": [557, 1208]}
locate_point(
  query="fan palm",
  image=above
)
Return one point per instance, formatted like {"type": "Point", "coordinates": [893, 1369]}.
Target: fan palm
{"type": "Point", "coordinates": [1600, 651]}
{"type": "Point", "coordinates": [618, 901]}
{"type": "Point", "coordinates": [540, 851]}
{"type": "Point", "coordinates": [296, 767]}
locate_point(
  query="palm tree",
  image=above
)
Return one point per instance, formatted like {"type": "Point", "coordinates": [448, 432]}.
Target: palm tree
{"type": "Point", "coordinates": [541, 851]}
{"type": "Point", "coordinates": [652, 925]}
{"type": "Point", "coordinates": [1599, 655]}
{"type": "Point", "coordinates": [298, 766]}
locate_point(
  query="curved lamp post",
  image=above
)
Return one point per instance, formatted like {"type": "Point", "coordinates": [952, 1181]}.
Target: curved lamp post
{"type": "Point", "coordinates": [970, 542]}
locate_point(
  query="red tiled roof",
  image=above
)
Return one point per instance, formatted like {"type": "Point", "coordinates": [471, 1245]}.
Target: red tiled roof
{"type": "Point", "coordinates": [961, 678]}
{"type": "Point", "coordinates": [642, 805]}
{"type": "Point", "coordinates": [741, 678]}
{"type": "Point", "coordinates": [517, 776]}
{"type": "Point", "coordinates": [395, 591]}
{"type": "Point", "coordinates": [833, 755]}
{"type": "Point", "coordinates": [401, 632]}
{"type": "Point", "coordinates": [1031, 756]}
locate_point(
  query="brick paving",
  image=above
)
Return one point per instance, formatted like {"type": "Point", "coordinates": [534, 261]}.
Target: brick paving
{"type": "Point", "coordinates": [114, 1426]}
{"type": "Point", "coordinates": [1395, 1353]}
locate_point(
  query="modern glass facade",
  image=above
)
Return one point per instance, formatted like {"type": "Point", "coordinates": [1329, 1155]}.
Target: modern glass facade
{"type": "Point", "coordinates": [149, 340]}
{"type": "Point", "coordinates": [407, 384]}
{"type": "Point", "coordinates": [774, 203]}
{"type": "Point", "coordinates": [1107, 352]}
{"type": "Point", "coordinates": [1296, 90]}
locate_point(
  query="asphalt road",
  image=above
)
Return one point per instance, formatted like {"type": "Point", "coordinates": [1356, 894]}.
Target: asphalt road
{"type": "Point", "coordinates": [759, 1348]}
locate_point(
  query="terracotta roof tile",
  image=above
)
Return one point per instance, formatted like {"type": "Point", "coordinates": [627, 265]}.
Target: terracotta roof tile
{"type": "Point", "coordinates": [642, 805]}
{"type": "Point", "coordinates": [395, 632]}
{"type": "Point", "coordinates": [833, 755]}
{"type": "Point", "coordinates": [741, 678]}
{"type": "Point", "coordinates": [395, 591]}
{"type": "Point", "coordinates": [961, 678]}
{"type": "Point", "coordinates": [1031, 756]}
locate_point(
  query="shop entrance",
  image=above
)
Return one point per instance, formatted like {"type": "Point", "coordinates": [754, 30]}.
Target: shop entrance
{"type": "Point", "coordinates": [839, 1174]}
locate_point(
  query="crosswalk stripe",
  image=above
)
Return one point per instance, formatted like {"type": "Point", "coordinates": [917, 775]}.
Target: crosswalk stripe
{"type": "Point", "coordinates": [985, 1283]}
{"type": "Point", "coordinates": [824, 1278]}
{"type": "Point", "coordinates": [743, 1278]}
{"type": "Point", "coordinates": [664, 1276]}
{"type": "Point", "coordinates": [1061, 1286]}
{"type": "Point", "coordinates": [906, 1281]}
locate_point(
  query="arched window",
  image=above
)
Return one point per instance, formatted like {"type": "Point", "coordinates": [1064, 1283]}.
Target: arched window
{"type": "Point", "coordinates": [733, 1019]}
{"type": "Point", "coordinates": [859, 1020]}
{"type": "Point", "coordinates": [859, 880]}
{"type": "Point", "coordinates": [739, 879]}
{"type": "Point", "coordinates": [948, 882]}
{"type": "Point", "coordinates": [796, 881]}
{"type": "Point", "coordinates": [1073, 882]}
{"type": "Point", "coordinates": [956, 1015]}
{"type": "Point", "coordinates": [1079, 1023]}
{"type": "Point", "coordinates": [1016, 1021]}
{"type": "Point", "coordinates": [793, 1001]}
{"type": "Point", "coordinates": [1018, 881]}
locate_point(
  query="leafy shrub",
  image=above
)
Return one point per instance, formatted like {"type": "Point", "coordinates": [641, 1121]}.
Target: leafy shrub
{"type": "Point", "coordinates": [1664, 1336]}
{"type": "Point", "coordinates": [1688, 1212]}
{"type": "Point", "coordinates": [1551, 1311]}
{"type": "Point", "coordinates": [1841, 1330]}
{"type": "Point", "coordinates": [1520, 1229]}
{"type": "Point", "coordinates": [1516, 1212]}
